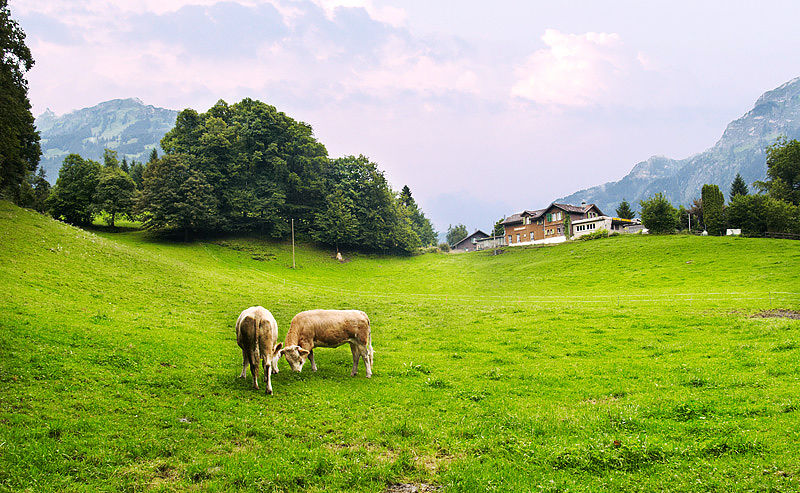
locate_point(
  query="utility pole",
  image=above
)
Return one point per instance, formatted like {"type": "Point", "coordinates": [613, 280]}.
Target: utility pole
{"type": "Point", "coordinates": [293, 265]}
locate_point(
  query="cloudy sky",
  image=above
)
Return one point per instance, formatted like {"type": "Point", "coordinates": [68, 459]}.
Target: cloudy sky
{"type": "Point", "coordinates": [482, 108]}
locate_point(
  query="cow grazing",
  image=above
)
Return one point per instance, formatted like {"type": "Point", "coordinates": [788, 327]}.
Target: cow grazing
{"type": "Point", "coordinates": [328, 328]}
{"type": "Point", "coordinates": [256, 334]}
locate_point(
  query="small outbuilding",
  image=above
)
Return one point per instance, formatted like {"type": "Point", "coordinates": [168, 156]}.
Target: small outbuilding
{"type": "Point", "coordinates": [470, 243]}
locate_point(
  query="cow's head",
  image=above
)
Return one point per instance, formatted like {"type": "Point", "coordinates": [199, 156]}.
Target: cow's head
{"type": "Point", "coordinates": [295, 356]}
{"type": "Point", "coordinates": [275, 357]}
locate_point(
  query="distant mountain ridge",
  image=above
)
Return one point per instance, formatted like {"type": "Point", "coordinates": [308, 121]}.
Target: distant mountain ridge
{"type": "Point", "coordinates": [741, 149]}
{"type": "Point", "coordinates": [127, 126]}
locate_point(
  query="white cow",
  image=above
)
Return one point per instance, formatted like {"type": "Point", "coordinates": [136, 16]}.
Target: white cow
{"type": "Point", "coordinates": [328, 328]}
{"type": "Point", "coordinates": [256, 334]}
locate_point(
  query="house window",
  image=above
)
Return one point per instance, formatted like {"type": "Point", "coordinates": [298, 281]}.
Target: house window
{"type": "Point", "coordinates": [559, 230]}
{"type": "Point", "coordinates": [517, 237]}
{"type": "Point", "coordinates": [549, 217]}
{"type": "Point", "coordinates": [509, 239]}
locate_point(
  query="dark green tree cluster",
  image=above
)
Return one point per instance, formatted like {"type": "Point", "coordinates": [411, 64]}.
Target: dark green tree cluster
{"type": "Point", "coordinates": [658, 215]}
{"type": "Point", "coordinates": [456, 233]}
{"type": "Point", "coordinates": [247, 167]}
{"type": "Point", "coordinates": [777, 208]}
{"type": "Point", "coordinates": [19, 140]}
{"type": "Point", "coordinates": [85, 188]}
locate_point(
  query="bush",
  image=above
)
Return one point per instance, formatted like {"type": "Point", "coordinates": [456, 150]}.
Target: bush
{"type": "Point", "coordinates": [600, 233]}
{"type": "Point", "coordinates": [658, 215]}
{"type": "Point", "coordinates": [444, 247]}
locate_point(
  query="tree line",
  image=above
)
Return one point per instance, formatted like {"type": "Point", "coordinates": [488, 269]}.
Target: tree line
{"type": "Point", "coordinates": [245, 168]}
{"type": "Point", "coordinates": [775, 209]}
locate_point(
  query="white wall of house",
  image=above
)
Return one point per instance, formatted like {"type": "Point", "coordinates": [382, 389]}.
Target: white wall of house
{"type": "Point", "coordinates": [586, 226]}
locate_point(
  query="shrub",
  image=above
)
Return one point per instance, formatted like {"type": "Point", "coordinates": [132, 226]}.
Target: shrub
{"type": "Point", "coordinates": [596, 235]}
{"type": "Point", "coordinates": [444, 247]}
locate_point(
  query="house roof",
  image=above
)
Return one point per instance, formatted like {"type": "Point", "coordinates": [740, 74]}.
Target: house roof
{"type": "Point", "coordinates": [577, 209]}
{"type": "Point", "coordinates": [580, 209]}
{"type": "Point", "coordinates": [470, 236]}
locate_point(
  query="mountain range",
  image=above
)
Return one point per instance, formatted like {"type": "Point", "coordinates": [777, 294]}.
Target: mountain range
{"type": "Point", "coordinates": [127, 126]}
{"type": "Point", "coordinates": [133, 129]}
{"type": "Point", "coordinates": [741, 149]}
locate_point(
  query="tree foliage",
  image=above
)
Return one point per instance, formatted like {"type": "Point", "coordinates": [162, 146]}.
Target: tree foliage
{"type": "Point", "coordinates": [264, 167]}
{"type": "Point", "coordinates": [176, 196]}
{"type": "Point", "coordinates": [115, 193]}
{"type": "Point", "coordinates": [498, 229]}
{"type": "Point", "coordinates": [456, 233]}
{"type": "Point", "coordinates": [336, 224]}
{"type": "Point", "coordinates": [757, 214]}
{"type": "Point", "coordinates": [73, 197]}
{"type": "Point", "coordinates": [738, 187]}
{"type": "Point", "coordinates": [713, 215]}
{"type": "Point", "coordinates": [783, 171]}
{"type": "Point", "coordinates": [658, 215]}
{"type": "Point", "coordinates": [419, 223]}
{"type": "Point", "coordinates": [19, 140]}
{"type": "Point", "coordinates": [624, 210]}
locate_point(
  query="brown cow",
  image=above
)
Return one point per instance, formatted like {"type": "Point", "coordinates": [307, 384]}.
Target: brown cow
{"type": "Point", "coordinates": [256, 334]}
{"type": "Point", "coordinates": [328, 328]}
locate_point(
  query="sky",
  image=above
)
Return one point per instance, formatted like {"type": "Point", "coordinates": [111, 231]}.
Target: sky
{"type": "Point", "coordinates": [482, 108]}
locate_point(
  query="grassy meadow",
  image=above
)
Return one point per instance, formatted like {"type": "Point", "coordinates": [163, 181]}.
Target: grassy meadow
{"type": "Point", "coordinates": [625, 364]}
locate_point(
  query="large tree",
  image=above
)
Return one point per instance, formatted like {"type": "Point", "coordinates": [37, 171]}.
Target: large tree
{"type": "Point", "coordinates": [72, 198]}
{"type": "Point", "coordinates": [115, 193]}
{"type": "Point", "coordinates": [19, 140]}
{"type": "Point", "coordinates": [713, 212]}
{"type": "Point", "coordinates": [177, 197]}
{"type": "Point", "coordinates": [658, 215]}
{"type": "Point", "coordinates": [249, 150]}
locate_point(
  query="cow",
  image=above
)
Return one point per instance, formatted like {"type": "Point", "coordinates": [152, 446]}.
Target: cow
{"type": "Point", "coordinates": [328, 328]}
{"type": "Point", "coordinates": [256, 334]}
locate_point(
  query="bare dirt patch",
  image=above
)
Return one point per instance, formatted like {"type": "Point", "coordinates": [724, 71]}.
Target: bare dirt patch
{"type": "Point", "coordinates": [411, 488]}
{"type": "Point", "coordinates": [778, 313]}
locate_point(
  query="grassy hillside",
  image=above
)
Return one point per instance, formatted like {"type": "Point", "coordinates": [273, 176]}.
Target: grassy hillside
{"type": "Point", "coordinates": [630, 364]}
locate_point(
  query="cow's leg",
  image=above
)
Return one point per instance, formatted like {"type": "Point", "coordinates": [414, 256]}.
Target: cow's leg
{"type": "Point", "coordinates": [254, 368]}
{"type": "Point", "coordinates": [311, 358]}
{"type": "Point", "coordinates": [354, 348]}
{"type": "Point", "coordinates": [368, 360]}
{"type": "Point", "coordinates": [268, 373]}
{"type": "Point", "coordinates": [244, 364]}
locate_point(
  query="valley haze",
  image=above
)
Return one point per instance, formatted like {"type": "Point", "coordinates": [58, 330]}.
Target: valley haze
{"type": "Point", "coordinates": [482, 110]}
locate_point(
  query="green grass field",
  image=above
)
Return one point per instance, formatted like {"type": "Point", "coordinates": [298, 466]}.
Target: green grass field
{"type": "Point", "coordinates": [624, 364]}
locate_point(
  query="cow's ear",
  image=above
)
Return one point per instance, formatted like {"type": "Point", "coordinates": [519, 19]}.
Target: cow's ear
{"type": "Point", "coordinates": [303, 352]}
{"type": "Point", "coordinates": [279, 348]}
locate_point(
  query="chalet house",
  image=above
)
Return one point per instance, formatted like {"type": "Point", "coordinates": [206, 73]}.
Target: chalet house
{"type": "Point", "coordinates": [546, 225]}
{"type": "Point", "coordinates": [470, 243]}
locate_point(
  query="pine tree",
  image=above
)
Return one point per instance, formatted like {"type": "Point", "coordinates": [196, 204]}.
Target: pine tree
{"type": "Point", "coordinates": [738, 187]}
{"type": "Point", "coordinates": [624, 210]}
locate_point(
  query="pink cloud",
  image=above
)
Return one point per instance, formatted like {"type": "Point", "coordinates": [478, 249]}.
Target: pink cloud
{"type": "Point", "coordinates": [576, 70]}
